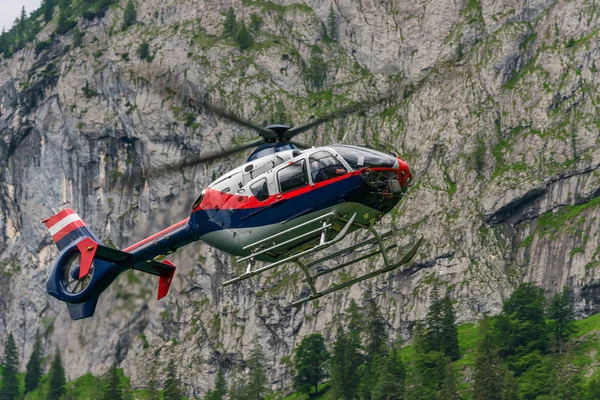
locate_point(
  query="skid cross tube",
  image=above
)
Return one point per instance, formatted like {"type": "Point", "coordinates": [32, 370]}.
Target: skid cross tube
{"type": "Point", "coordinates": [346, 250]}
{"type": "Point", "coordinates": [312, 221]}
{"type": "Point", "coordinates": [250, 273]}
{"type": "Point", "coordinates": [321, 229]}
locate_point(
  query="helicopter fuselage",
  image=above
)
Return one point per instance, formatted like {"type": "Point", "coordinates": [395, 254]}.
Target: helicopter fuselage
{"type": "Point", "coordinates": [270, 194]}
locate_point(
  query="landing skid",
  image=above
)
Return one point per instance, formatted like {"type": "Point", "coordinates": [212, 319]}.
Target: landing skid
{"type": "Point", "coordinates": [323, 226]}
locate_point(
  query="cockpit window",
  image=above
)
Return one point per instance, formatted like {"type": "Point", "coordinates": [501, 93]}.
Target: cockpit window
{"type": "Point", "coordinates": [359, 157]}
{"type": "Point", "coordinates": [324, 165]}
{"type": "Point", "coordinates": [260, 190]}
{"type": "Point", "coordinates": [292, 177]}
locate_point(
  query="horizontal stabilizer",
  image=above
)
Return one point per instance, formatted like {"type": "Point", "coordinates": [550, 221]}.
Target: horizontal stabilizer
{"type": "Point", "coordinates": [165, 270]}
{"type": "Point", "coordinates": [82, 310]}
{"type": "Point", "coordinates": [90, 249]}
{"type": "Point", "coordinates": [112, 255]}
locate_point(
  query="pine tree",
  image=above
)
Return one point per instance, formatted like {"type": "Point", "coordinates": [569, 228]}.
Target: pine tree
{"type": "Point", "coordinates": [10, 384]}
{"type": "Point", "coordinates": [375, 347]}
{"type": "Point", "coordinates": [562, 319]}
{"type": "Point", "coordinates": [419, 337]}
{"type": "Point", "coordinates": [391, 377]}
{"type": "Point", "coordinates": [309, 363]}
{"type": "Point", "coordinates": [17, 34]}
{"type": "Point", "coordinates": [129, 15]}
{"type": "Point", "coordinates": [112, 388]}
{"type": "Point", "coordinates": [535, 376]}
{"type": "Point", "coordinates": [440, 333]}
{"type": "Point", "coordinates": [256, 386]}
{"type": "Point", "coordinates": [345, 361]}
{"type": "Point", "coordinates": [280, 115]}
{"type": "Point", "coordinates": [256, 22]}
{"type": "Point", "coordinates": [143, 51]}
{"type": "Point", "coordinates": [449, 334]}
{"type": "Point", "coordinates": [98, 391]}
{"type": "Point", "coordinates": [243, 37]}
{"type": "Point", "coordinates": [152, 388]}
{"type": "Point", "coordinates": [64, 5]}
{"type": "Point", "coordinates": [368, 377]}
{"type": "Point", "coordinates": [127, 394]}
{"type": "Point", "coordinates": [237, 390]}
{"type": "Point", "coordinates": [34, 367]}
{"type": "Point", "coordinates": [65, 24]}
{"type": "Point", "coordinates": [429, 372]}
{"type": "Point", "coordinates": [449, 388]}
{"type": "Point", "coordinates": [429, 367]}
{"type": "Point", "coordinates": [23, 17]}
{"type": "Point", "coordinates": [220, 384]}
{"type": "Point", "coordinates": [354, 321]}
{"type": "Point", "coordinates": [102, 7]}
{"type": "Point", "coordinates": [56, 378]}
{"type": "Point", "coordinates": [48, 9]}
{"type": "Point", "coordinates": [173, 390]}
{"type": "Point", "coordinates": [220, 390]}
{"type": "Point", "coordinates": [230, 24]}
{"type": "Point", "coordinates": [317, 69]}
{"type": "Point", "coordinates": [509, 386]}
{"type": "Point", "coordinates": [487, 370]}
{"type": "Point", "coordinates": [3, 45]}
{"type": "Point", "coordinates": [332, 23]}
{"type": "Point", "coordinates": [376, 332]}
{"type": "Point", "coordinates": [521, 325]}
{"type": "Point", "coordinates": [22, 27]}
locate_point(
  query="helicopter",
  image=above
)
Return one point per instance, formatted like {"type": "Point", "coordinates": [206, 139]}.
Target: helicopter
{"type": "Point", "coordinates": [285, 205]}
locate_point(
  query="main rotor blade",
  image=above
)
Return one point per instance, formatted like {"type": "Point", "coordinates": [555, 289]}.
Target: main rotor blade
{"type": "Point", "coordinates": [336, 114]}
{"type": "Point", "coordinates": [210, 157]}
{"type": "Point", "coordinates": [266, 133]}
{"type": "Point", "coordinates": [194, 98]}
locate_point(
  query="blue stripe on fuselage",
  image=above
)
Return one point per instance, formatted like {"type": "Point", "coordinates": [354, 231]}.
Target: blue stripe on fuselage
{"type": "Point", "coordinates": [351, 189]}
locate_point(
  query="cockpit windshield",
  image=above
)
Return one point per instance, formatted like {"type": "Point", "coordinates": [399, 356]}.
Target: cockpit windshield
{"type": "Point", "coordinates": [360, 157]}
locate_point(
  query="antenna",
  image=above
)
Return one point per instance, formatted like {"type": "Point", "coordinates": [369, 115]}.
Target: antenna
{"type": "Point", "coordinates": [344, 138]}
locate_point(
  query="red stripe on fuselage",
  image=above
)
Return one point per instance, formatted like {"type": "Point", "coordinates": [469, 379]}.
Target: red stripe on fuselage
{"type": "Point", "coordinates": [157, 235]}
{"type": "Point", "coordinates": [56, 218]}
{"type": "Point", "coordinates": [67, 229]}
{"type": "Point", "coordinates": [214, 198]}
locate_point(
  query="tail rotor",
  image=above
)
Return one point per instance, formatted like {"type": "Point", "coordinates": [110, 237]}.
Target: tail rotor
{"type": "Point", "coordinates": [70, 280]}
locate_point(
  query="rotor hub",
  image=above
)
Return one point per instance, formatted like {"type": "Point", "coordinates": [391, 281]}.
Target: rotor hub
{"type": "Point", "coordinates": [280, 130]}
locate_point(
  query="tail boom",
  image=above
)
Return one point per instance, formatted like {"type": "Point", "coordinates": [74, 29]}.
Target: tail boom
{"type": "Point", "coordinates": [98, 266]}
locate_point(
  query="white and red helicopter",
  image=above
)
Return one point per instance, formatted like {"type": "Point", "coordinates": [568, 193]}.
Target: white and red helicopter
{"type": "Point", "coordinates": [284, 205]}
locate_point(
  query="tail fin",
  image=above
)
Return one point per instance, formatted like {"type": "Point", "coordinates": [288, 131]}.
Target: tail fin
{"type": "Point", "coordinates": [66, 227]}
{"type": "Point", "coordinates": [164, 270]}
{"type": "Point", "coordinates": [82, 310]}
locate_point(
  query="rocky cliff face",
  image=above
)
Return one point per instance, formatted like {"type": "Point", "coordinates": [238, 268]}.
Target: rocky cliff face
{"type": "Point", "coordinates": [498, 118]}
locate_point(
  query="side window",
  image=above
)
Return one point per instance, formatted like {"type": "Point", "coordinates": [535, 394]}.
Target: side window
{"type": "Point", "coordinates": [324, 165]}
{"type": "Point", "coordinates": [260, 190]}
{"type": "Point", "coordinates": [292, 177]}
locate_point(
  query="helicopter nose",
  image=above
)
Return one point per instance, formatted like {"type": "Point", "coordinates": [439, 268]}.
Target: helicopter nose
{"type": "Point", "coordinates": [404, 175]}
